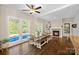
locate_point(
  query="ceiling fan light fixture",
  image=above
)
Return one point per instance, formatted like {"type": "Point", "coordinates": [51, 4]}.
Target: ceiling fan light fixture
{"type": "Point", "coordinates": [32, 11]}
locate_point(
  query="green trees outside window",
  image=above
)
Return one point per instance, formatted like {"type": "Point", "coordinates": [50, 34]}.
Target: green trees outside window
{"type": "Point", "coordinates": [25, 26]}
{"type": "Point", "coordinates": [38, 29]}
{"type": "Point", "coordinates": [13, 26]}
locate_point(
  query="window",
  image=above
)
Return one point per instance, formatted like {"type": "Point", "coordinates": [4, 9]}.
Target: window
{"type": "Point", "coordinates": [13, 26]}
{"type": "Point", "coordinates": [25, 26]}
{"type": "Point", "coordinates": [16, 27]}
{"type": "Point", "coordinates": [41, 27]}
{"type": "Point", "coordinates": [38, 29]}
{"type": "Point", "coordinates": [25, 29]}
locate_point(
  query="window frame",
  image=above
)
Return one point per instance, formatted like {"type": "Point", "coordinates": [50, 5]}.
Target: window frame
{"type": "Point", "coordinates": [28, 26]}
{"type": "Point", "coordinates": [9, 35]}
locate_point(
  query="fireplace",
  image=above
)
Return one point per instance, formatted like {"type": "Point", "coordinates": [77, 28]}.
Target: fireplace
{"type": "Point", "coordinates": [56, 33]}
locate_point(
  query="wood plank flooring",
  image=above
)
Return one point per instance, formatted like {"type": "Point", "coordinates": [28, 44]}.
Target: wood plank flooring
{"type": "Point", "coordinates": [56, 46]}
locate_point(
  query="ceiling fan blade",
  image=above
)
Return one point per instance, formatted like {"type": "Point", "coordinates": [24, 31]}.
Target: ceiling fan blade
{"type": "Point", "coordinates": [25, 10]}
{"type": "Point", "coordinates": [37, 11]}
{"type": "Point", "coordinates": [28, 5]}
{"type": "Point", "coordinates": [32, 6]}
{"type": "Point", "coordinates": [38, 7]}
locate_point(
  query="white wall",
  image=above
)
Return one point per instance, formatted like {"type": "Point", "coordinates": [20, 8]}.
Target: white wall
{"type": "Point", "coordinates": [3, 22]}
{"type": "Point", "coordinates": [76, 21]}
{"type": "Point", "coordinates": [56, 22]}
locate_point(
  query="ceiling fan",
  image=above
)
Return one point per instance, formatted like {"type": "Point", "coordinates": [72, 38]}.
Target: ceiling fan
{"type": "Point", "coordinates": [32, 8]}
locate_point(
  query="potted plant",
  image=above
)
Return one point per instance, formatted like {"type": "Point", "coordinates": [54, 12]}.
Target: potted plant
{"type": "Point", "coordinates": [5, 40]}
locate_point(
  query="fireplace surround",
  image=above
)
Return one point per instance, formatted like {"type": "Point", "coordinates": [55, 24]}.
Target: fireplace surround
{"type": "Point", "coordinates": [56, 33]}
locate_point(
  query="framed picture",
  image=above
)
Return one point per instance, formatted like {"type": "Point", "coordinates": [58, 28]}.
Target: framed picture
{"type": "Point", "coordinates": [74, 25]}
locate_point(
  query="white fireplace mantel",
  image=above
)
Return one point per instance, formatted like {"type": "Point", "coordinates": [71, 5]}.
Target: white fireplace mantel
{"type": "Point", "coordinates": [57, 28]}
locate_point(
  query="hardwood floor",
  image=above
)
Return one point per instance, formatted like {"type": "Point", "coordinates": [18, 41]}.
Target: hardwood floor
{"type": "Point", "coordinates": [56, 46]}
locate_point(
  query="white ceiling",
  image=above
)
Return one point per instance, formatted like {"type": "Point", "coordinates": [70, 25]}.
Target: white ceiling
{"type": "Point", "coordinates": [46, 8]}
{"type": "Point", "coordinates": [50, 11]}
{"type": "Point", "coordinates": [67, 12]}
